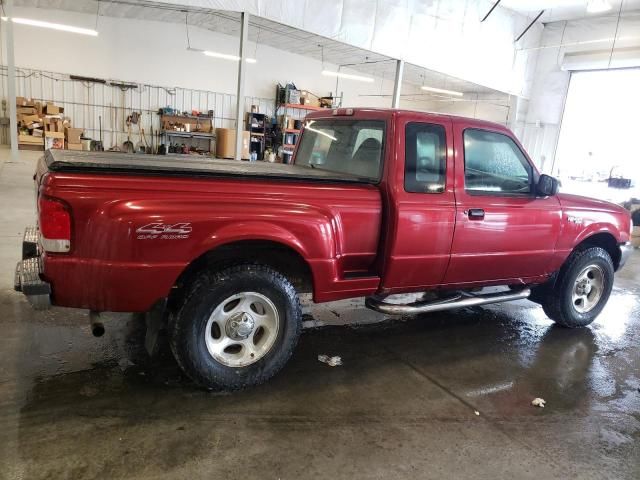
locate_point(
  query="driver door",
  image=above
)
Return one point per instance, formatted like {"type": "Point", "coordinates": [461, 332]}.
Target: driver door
{"type": "Point", "coordinates": [503, 231]}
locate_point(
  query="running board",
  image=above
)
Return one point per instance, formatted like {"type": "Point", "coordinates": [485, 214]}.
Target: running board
{"type": "Point", "coordinates": [459, 300]}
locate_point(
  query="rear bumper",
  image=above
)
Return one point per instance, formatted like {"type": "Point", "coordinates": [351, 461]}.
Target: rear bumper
{"type": "Point", "coordinates": [28, 278]}
{"type": "Point", "coordinates": [625, 253]}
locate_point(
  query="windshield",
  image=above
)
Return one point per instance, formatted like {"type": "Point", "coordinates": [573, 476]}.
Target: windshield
{"type": "Point", "coordinates": [349, 146]}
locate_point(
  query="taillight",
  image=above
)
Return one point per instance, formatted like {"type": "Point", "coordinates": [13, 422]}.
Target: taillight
{"type": "Point", "coordinates": [54, 220]}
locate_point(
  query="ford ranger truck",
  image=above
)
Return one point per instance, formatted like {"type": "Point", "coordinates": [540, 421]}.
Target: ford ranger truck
{"type": "Point", "coordinates": [378, 202]}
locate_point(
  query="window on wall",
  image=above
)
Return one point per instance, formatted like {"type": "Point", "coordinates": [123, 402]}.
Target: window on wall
{"type": "Point", "coordinates": [494, 164]}
{"type": "Point", "coordinates": [425, 158]}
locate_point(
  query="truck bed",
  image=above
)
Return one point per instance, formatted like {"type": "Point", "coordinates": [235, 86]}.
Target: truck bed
{"type": "Point", "coordinates": [185, 165]}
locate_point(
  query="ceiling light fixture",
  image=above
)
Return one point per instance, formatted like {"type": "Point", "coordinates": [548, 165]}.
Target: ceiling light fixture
{"type": "Point", "coordinates": [224, 56]}
{"type": "Point", "coordinates": [441, 90]}
{"type": "Point", "coordinates": [348, 76]}
{"type": "Point", "coordinates": [598, 6]}
{"type": "Point", "coordinates": [53, 26]}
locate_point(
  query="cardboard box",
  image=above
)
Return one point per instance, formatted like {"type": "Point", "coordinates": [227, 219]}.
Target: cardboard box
{"type": "Point", "coordinates": [54, 140]}
{"type": "Point", "coordinates": [37, 132]}
{"type": "Point", "coordinates": [28, 119]}
{"type": "Point", "coordinates": [20, 101]}
{"type": "Point", "coordinates": [226, 143]}
{"type": "Point", "coordinates": [73, 134]}
{"type": "Point", "coordinates": [308, 98]}
{"type": "Point", "coordinates": [30, 140]}
{"type": "Point", "coordinates": [635, 237]}
{"type": "Point", "coordinates": [54, 135]}
{"type": "Point", "coordinates": [73, 146]}
{"type": "Point", "coordinates": [53, 124]}
{"type": "Point", "coordinates": [26, 111]}
{"type": "Point", "coordinates": [51, 109]}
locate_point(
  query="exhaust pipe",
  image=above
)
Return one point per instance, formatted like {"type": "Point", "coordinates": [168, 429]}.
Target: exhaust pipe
{"type": "Point", "coordinates": [460, 300]}
{"type": "Point", "coordinates": [97, 328]}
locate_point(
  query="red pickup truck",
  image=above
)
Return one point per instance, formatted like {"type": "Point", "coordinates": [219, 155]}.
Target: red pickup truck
{"type": "Point", "coordinates": [378, 202]}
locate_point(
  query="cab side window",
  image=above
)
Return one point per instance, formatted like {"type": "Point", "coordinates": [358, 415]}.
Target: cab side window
{"type": "Point", "coordinates": [425, 158]}
{"type": "Point", "coordinates": [495, 165]}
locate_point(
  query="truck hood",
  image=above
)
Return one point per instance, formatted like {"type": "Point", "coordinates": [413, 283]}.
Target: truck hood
{"type": "Point", "coordinates": [578, 202]}
{"type": "Point", "coordinates": [587, 216]}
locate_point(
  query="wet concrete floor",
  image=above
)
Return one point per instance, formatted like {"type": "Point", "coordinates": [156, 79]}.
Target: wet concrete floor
{"type": "Point", "coordinates": [401, 406]}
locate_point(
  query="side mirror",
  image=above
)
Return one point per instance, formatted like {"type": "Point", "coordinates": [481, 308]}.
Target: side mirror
{"type": "Point", "coordinates": [547, 186]}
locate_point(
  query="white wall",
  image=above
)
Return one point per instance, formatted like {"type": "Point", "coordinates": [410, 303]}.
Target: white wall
{"type": "Point", "coordinates": [156, 53]}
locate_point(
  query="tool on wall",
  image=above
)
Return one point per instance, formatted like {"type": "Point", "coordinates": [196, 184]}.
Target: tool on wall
{"type": "Point", "coordinates": [98, 145]}
{"type": "Point", "coordinates": [128, 146]}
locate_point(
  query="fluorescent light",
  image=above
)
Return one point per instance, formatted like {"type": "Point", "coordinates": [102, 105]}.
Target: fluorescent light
{"type": "Point", "coordinates": [442, 90]}
{"type": "Point", "coordinates": [598, 6]}
{"type": "Point", "coordinates": [53, 26]}
{"type": "Point", "coordinates": [226, 56]}
{"type": "Point", "coordinates": [361, 78]}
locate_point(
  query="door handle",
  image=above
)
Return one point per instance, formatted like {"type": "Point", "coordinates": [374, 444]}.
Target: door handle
{"type": "Point", "coordinates": [475, 213]}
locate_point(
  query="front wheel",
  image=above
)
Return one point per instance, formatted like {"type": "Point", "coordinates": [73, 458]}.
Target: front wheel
{"type": "Point", "coordinates": [581, 290]}
{"type": "Point", "coordinates": [236, 327]}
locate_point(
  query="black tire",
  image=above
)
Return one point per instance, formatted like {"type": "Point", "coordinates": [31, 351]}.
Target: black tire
{"type": "Point", "coordinates": [557, 301]}
{"type": "Point", "coordinates": [187, 327]}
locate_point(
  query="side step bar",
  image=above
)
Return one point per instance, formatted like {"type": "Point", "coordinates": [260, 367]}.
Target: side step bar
{"type": "Point", "coordinates": [460, 300]}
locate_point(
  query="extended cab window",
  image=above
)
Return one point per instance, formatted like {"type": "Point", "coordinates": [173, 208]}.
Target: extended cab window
{"type": "Point", "coordinates": [493, 164]}
{"type": "Point", "coordinates": [349, 146]}
{"type": "Point", "coordinates": [425, 158]}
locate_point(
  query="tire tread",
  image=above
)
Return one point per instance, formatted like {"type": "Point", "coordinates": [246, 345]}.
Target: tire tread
{"type": "Point", "coordinates": [179, 323]}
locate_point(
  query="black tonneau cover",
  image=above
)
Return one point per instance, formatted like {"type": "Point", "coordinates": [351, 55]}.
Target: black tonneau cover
{"type": "Point", "coordinates": [186, 165]}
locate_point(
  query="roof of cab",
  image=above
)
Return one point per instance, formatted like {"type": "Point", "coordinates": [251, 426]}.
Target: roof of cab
{"type": "Point", "coordinates": [400, 111]}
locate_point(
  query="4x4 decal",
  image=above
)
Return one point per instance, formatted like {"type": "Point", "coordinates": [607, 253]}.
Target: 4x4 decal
{"type": "Point", "coordinates": [164, 231]}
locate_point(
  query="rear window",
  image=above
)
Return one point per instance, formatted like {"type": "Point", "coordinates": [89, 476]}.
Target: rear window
{"type": "Point", "coordinates": [348, 146]}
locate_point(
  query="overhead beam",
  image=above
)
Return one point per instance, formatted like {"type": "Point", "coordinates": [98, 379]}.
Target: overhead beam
{"type": "Point", "coordinates": [490, 11]}
{"type": "Point", "coordinates": [11, 81]}
{"type": "Point", "coordinates": [528, 27]}
{"type": "Point", "coordinates": [397, 86]}
{"type": "Point", "coordinates": [242, 53]}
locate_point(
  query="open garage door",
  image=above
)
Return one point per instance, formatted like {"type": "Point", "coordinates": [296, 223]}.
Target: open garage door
{"type": "Point", "coordinates": [599, 146]}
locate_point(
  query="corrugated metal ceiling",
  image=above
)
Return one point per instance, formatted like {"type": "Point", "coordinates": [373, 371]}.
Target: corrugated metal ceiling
{"type": "Point", "coordinates": [265, 32]}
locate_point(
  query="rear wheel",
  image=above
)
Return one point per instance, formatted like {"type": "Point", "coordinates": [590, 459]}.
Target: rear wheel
{"type": "Point", "coordinates": [581, 290]}
{"type": "Point", "coordinates": [236, 327]}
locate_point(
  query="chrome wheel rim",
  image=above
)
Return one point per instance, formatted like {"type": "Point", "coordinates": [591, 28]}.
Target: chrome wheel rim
{"type": "Point", "coordinates": [588, 288]}
{"type": "Point", "coordinates": [242, 329]}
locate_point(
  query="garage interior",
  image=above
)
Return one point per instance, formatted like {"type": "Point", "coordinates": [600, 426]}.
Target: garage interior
{"type": "Point", "coordinates": [439, 395]}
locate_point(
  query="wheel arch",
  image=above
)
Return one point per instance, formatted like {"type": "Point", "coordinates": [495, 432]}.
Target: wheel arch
{"type": "Point", "coordinates": [606, 241]}
{"type": "Point", "coordinates": [279, 256]}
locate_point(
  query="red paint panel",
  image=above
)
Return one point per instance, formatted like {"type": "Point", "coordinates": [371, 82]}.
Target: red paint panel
{"type": "Point", "coordinates": [117, 268]}
{"type": "Point", "coordinates": [516, 238]}
{"type": "Point", "coordinates": [420, 224]}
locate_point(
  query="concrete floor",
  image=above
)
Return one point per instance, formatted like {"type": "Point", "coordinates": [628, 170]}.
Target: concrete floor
{"type": "Point", "coordinates": [402, 405]}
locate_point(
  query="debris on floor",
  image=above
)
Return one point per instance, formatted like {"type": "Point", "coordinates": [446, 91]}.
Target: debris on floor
{"type": "Point", "coordinates": [538, 402]}
{"type": "Point", "coordinates": [331, 361]}
{"type": "Point", "coordinates": [477, 412]}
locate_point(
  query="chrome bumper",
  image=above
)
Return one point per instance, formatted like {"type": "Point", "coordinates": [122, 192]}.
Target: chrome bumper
{"type": "Point", "coordinates": [625, 253]}
{"type": "Point", "coordinates": [28, 273]}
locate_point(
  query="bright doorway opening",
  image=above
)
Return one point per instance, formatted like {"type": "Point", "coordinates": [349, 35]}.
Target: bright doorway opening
{"type": "Point", "coordinates": [599, 146]}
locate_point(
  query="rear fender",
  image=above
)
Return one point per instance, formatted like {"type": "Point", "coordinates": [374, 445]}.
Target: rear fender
{"type": "Point", "coordinates": [258, 230]}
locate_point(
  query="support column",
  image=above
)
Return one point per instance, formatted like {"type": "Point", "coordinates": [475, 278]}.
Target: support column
{"type": "Point", "coordinates": [11, 81]}
{"type": "Point", "coordinates": [244, 28]}
{"type": "Point", "coordinates": [397, 86]}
